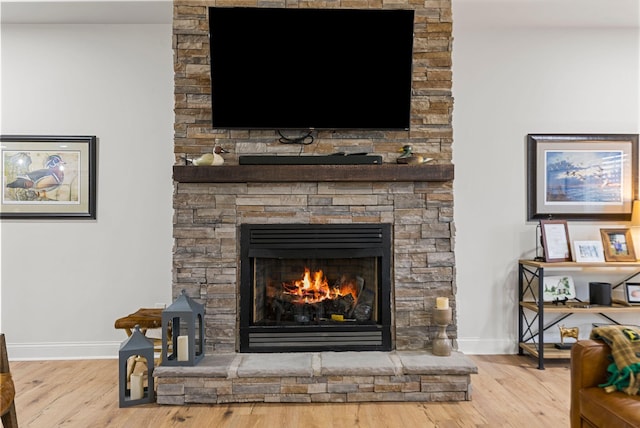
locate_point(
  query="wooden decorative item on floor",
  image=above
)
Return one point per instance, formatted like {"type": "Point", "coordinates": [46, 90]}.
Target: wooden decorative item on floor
{"type": "Point", "coordinates": [146, 319]}
{"type": "Point", "coordinates": [7, 390]}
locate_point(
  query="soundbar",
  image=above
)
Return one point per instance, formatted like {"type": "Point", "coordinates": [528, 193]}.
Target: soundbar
{"type": "Point", "coordinates": [334, 159]}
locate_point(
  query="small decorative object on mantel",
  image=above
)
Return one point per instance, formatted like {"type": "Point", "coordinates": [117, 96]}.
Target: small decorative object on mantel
{"type": "Point", "coordinates": [442, 318]}
{"type": "Point", "coordinates": [567, 332]}
{"type": "Point", "coordinates": [183, 325]}
{"type": "Point", "coordinates": [214, 158]}
{"type": "Point", "coordinates": [409, 158]}
{"type": "Point", "coordinates": [135, 360]}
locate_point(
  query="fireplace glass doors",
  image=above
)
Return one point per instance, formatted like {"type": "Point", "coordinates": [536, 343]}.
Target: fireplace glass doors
{"type": "Point", "coordinates": [315, 288]}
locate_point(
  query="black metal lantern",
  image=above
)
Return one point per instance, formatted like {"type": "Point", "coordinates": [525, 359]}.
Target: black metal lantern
{"type": "Point", "coordinates": [183, 328]}
{"type": "Point", "coordinates": [136, 384]}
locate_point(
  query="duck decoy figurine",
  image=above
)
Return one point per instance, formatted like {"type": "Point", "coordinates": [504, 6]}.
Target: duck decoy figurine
{"type": "Point", "coordinates": [409, 158]}
{"type": "Point", "coordinates": [213, 158]}
{"type": "Point", "coordinates": [43, 180]}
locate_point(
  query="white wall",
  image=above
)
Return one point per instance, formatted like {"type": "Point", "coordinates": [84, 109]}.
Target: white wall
{"type": "Point", "coordinates": [64, 283]}
{"type": "Point", "coordinates": [510, 81]}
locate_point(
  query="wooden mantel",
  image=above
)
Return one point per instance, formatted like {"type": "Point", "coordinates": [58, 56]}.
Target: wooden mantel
{"type": "Point", "coordinates": [311, 173]}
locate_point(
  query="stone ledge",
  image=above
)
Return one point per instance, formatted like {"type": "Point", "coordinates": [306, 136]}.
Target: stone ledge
{"type": "Point", "coordinates": [318, 377]}
{"type": "Point", "coordinates": [326, 364]}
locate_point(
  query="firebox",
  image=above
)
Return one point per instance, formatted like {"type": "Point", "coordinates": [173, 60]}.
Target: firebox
{"type": "Point", "coordinates": [315, 287]}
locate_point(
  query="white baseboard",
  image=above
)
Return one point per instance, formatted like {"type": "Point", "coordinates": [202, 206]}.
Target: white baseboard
{"type": "Point", "coordinates": [62, 351]}
{"type": "Point", "coordinates": [478, 346]}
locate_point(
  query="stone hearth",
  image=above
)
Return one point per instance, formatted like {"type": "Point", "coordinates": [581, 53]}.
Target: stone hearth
{"type": "Point", "coordinates": [323, 377]}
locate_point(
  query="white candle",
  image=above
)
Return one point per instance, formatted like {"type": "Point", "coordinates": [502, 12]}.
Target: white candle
{"type": "Point", "coordinates": [137, 389]}
{"type": "Point", "coordinates": [442, 303]}
{"type": "Point", "coordinates": [183, 348]}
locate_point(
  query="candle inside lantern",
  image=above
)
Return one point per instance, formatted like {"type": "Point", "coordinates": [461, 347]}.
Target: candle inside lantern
{"type": "Point", "coordinates": [183, 348]}
{"type": "Point", "coordinates": [137, 388]}
{"type": "Point", "coordinates": [442, 303]}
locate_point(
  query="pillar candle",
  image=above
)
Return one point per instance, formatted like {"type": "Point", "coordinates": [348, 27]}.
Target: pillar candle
{"type": "Point", "coordinates": [137, 389]}
{"type": "Point", "coordinates": [183, 348]}
{"type": "Point", "coordinates": [442, 303]}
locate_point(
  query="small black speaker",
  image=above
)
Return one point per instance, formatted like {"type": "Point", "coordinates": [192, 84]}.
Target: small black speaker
{"type": "Point", "coordinates": [600, 293]}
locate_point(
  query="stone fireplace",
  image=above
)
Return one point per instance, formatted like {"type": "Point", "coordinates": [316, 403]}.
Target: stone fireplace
{"type": "Point", "coordinates": [210, 206]}
{"type": "Point", "coordinates": [214, 205]}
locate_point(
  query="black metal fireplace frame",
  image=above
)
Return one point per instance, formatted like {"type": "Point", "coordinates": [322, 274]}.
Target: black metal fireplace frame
{"type": "Point", "coordinates": [317, 241]}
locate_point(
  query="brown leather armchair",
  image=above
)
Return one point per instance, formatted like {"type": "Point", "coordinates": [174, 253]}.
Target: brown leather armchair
{"type": "Point", "coordinates": [591, 406]}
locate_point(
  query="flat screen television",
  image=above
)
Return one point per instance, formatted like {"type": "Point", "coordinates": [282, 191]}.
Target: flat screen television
{"type": "Point", "coordinates": [332, 69]}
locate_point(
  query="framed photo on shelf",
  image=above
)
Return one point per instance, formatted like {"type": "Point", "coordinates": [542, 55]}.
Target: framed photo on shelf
{"type": "Point", "coordinates": [581, 176]}
{"type": "Point", "coordinates": [558, 288]}
{"type": "Point", "coordinates": [618, 246]}
{"type": "Point", "coordinates": [555, 241]}
{"type": "Point", "coordinates": [632, 290]}
{"type": "Point", "coordinates": [48, 177]}
{"type": "Point", "coordinates": [588, 251]}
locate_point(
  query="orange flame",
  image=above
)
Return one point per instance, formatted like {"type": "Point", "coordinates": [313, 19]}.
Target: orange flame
{"type": "Point", "coordinates": [317, 289]}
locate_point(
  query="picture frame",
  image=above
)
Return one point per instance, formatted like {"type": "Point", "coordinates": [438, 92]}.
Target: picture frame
{"type": "Point", "coordinates": [558, 288]}
{"type": "Point", "coordinates": [48, 177]}
{"type": "Point", "coordinates": [588, 251]}
{"type": "Point", "coordinates": [581, 176]}
{"type": "Point", "coordinates": [618, 245]}
{"type": "Point", "coordinates": [632, 292]}
{"type": "Point", "coordinates": [555, 241]}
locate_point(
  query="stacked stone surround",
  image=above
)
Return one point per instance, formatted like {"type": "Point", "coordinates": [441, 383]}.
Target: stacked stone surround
{"type": "Point", "coordinates": [208, 215]}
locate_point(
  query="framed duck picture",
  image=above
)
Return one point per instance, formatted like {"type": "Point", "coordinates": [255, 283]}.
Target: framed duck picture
{"type": "Point", "coordinates": [48, 177]}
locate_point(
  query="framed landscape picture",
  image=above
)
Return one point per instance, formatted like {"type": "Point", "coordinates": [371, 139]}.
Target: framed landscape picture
{"type": "Point", "coordinates": [558, 288]}
{"type": "Point", "coordinates": [48, 177]}
{"type": "Point", "coordinates": [581, 176]}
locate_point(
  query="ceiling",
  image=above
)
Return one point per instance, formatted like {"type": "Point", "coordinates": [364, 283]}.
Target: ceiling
{"type": "Point", "coordinates": [546, 13]}
{"type": "Point", "coordinates": [86, 12]}
{"type": "Point", "coordinates": [467, 13]}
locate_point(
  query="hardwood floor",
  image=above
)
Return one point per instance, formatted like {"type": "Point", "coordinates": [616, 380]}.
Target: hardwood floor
{"type": "Point", "coordinates": [508, 391]}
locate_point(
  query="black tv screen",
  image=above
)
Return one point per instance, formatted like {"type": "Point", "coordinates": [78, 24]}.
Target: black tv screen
{"type": "Point", "coordinates": [310, 68]}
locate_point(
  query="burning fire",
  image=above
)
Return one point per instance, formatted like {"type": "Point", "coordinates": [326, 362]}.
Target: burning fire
{"type": "Point", "coordinates": [317, 289]}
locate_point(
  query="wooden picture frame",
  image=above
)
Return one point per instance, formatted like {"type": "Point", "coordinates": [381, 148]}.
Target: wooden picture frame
{"type": "Point", "coordinates": [48, 177]}
{"type": "Point", "coordinates": [555, 241]}
{"type": "Point", "coordinates": [581, 176]}
{"type": "Point", "coordinates": [618, 245]}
